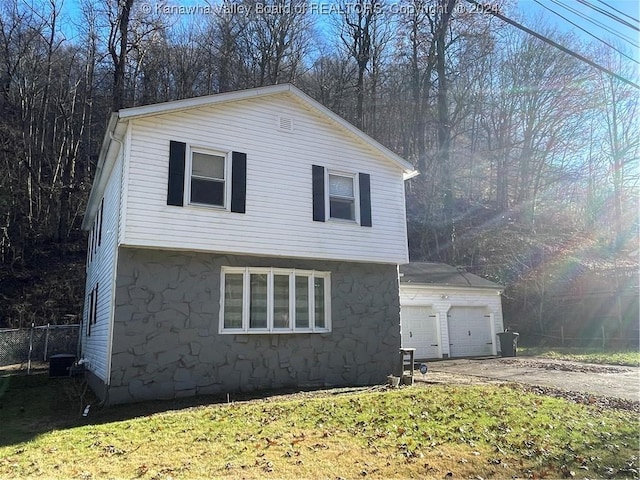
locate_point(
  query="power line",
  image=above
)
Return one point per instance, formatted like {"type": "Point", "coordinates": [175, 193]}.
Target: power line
{"type": "Point", "coordinates": [621, 13]}
{"type": "Point", "coordinates": [597, 24]}
{"type": "Point", "coordinates": [585, 31]}
{"type": "Point", "coordinates": [554, 44]}
{"type": "Point", "coordinates": [608, 14]}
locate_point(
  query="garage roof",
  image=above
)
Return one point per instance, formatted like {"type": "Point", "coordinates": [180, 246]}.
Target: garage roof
{"type": "Point", "coordinates": [429, 273]}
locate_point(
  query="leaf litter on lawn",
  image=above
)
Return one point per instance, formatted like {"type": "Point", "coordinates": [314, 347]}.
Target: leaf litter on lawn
{"type": "Point", "coordinates": [425, 431]}
{"type": "Point", "coordinates": [563, 365]}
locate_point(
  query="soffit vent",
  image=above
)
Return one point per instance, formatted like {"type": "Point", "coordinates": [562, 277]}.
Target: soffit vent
{"type": "Point", "coordinates": [285, 123]}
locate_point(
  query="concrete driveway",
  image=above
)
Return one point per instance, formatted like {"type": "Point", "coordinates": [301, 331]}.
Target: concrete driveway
{"type": "Point", "coordinates": [604, 380]}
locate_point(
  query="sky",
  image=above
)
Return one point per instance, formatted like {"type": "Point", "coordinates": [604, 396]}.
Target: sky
{"type": "Point", "coordinates": [588, 19]}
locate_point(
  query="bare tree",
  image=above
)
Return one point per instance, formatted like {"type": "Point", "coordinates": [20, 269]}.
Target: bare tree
{"type": "Point", "coordinates": [356, 30]}
{"type": "Point", "coordinates": [616, 112]}
{"type": "Point", "coordinates": [327, 80]}
{"type": "Point", "coordinates": [276, 40]}
{"type": "Point", "coordinates": [225, 66]}
{"type": "Point", "coordinates": [118, 45]}
{"type": "Point", "coordinates": [418, 39]}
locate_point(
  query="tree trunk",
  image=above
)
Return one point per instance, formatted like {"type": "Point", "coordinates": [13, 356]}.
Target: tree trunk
{"type": "Point", "coordinates": [120, 58]}
{"type": "Point", "coordinates": [444, 128]}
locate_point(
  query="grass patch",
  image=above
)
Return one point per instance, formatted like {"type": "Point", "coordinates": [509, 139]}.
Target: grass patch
{"type": "Point", "coordinates": [30, 405]}
{"type": "Point", "coordinates": [606, 357]}
{"type": "Point", "coordinates": [418, 432]}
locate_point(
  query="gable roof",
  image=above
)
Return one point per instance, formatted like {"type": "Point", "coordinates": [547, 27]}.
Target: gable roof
{"type": "Point", "coordinates": [441, 274]}
{"type": "Point", "coordinates": [286, 88]}
{"type": "Point", "coordinates": [118, 121]}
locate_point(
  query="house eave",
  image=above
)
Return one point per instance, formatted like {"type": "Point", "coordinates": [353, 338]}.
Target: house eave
{"type": "Point", "coordinates": [409, 175]}
{"type": "Point", "coordinates": [205, 100]}
{"type": "Point", "coordinates": [106, 157]}
{"type": "Point", "coordinates": [497, 289]}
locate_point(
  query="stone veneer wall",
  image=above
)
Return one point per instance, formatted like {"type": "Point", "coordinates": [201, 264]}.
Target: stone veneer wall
{"type": "Point", "coordinates": [166, 342]}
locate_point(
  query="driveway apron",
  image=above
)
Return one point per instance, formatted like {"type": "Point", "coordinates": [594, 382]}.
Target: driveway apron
{"type": "Point", "coordinates": [606, 380]}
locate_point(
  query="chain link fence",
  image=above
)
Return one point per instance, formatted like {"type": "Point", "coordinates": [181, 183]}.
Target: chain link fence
{"type": "Point", "coordinates": [22, 345]}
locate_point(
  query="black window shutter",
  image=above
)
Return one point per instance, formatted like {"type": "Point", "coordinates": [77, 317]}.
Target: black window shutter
{"type": "Point", "coordinates": [175, 192]}
{"type": "Point", "coordinates": [95, 305]}
{"type": "Point", "coordinates": [238, 182]}
{"type": "Point", "coordinates": [89, 313]}
{"type": "Point", "coordinates": [100, 222]}
{"type": "Point", "coordinates": [365, 199]}
{"type": "Point", "coordinates": [318, 193]}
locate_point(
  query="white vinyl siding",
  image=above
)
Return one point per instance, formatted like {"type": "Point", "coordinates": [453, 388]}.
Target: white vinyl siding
{"type": "Point", "coordinates": [101, 271]}
{"type": "Point", "coordinates": [441, 300]}
{"type": "Point", "coordinates": [278, 219]}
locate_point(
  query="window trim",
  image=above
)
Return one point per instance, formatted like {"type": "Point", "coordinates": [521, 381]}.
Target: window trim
{"type": "Point", "coordinates": [191, 149]}
{"type": "Point", "coordinates": [356, 196]}
{"type": "Point", "coordinates": [292, 273]}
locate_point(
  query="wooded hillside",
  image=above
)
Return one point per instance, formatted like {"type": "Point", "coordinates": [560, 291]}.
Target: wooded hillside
{"type": "Point", "coordinates": [528, 157]}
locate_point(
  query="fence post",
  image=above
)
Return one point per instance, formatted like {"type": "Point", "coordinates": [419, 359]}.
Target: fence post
{"type": "Point", "coordinates": [46, 343]}
{"type": "Point", "coordinates": [603, 339]}
{"type": "Point", "coordinates": [33, 325]}
{"type": "Point", "coordinates": [562, 334]}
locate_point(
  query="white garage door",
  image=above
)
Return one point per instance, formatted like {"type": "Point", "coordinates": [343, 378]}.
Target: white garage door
{"type": "Point", "coordinates": [419, 331]}
{"type": "Point", "coordinates": [469, 332]}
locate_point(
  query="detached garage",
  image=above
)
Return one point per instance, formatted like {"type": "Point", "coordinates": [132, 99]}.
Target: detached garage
{"type": "Point", "coordinates": [446, 312]}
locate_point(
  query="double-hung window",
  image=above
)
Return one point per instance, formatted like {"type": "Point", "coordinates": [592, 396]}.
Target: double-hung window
{"type": "Point", "coordinates": [342, 196]}
{"type": "Point", "coordinates": [274, 300]}
{"type": "Point", "coordinates": [199, 176]}
{"type": "Point", "coordinates": [207, 179]}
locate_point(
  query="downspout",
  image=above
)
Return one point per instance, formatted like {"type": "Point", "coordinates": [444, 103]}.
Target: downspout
{"type": "Point", "coordinates": [104, 151]}
{"type": "Point", "coordinates": [115, 139]}
{"type": "Point", "coordinates": [105, 400]}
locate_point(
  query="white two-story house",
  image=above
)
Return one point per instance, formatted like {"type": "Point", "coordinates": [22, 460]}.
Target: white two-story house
{"type": "Point", "coordinates": [241, 241]}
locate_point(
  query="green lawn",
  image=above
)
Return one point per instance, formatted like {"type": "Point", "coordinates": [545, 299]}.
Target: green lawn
{"type": "Point", "coordinates": [424, 431]}
{"type": "Point", "coordinates": [608, 357]}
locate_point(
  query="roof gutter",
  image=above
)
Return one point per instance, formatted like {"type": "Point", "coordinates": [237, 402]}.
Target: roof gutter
{"type": "Point", "coordinates": [408, 175]}
{"type": "Point", "coordinates": [499, 289]}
